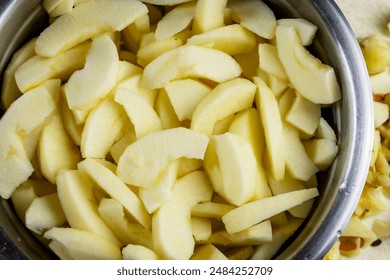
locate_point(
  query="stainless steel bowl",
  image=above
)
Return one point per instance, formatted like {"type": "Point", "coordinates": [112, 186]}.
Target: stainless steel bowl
{"type": "Point", "coordinates": [340, 187]}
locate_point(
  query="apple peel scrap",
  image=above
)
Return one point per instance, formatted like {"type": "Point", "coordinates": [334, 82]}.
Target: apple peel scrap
{"type": "Point", "coordinates": [141, 129]}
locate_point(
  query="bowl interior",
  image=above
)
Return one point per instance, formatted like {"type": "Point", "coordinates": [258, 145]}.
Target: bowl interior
{"type": "Point", "coordinates": [340, 187]}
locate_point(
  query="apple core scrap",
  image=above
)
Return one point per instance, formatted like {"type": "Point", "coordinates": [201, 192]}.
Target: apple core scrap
{"type": "Point", "coordinates": [165, 129]}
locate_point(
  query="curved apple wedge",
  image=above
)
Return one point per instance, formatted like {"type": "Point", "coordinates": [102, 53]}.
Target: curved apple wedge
{"type": "Point", "coordinates": [250, 214]}
{"type": "Point", "coordinates": [224, 100]}
{"type": "Point", "coordinates": [172, 222]}
{"type": "Point", "coordinates": [75, 191]}
{"type": "Point", "coordinates": [316, 81]}
{"type": "Point", "coordinates": [237, 164]}
{"type": "Point", "coordinates": [190, 61]}
{"type": "Point", "coordinates": [100, 72]}
{"type": "Point", "coordinates": [143, 161]}
{"type": "Point", "coordinates": [76, 244]}
{"type": "Point", "coordinates": [113, 186]}
{"type": "Point", "coordinates": [75, 27]}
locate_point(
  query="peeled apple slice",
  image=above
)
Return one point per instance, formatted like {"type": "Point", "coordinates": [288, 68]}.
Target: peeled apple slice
{"type": "Point", "coordinates": [316, 81]}
{"type": "Point", "coordinates": [103, 127]}
{"type": "Point", "coordinates": [190, 61]}
{"type": "Point", "coordinates": [142, 115]}
{"type": "Point", "coordinates": [113, 186]}
{"type": "Point", "coordinates": [172, 231]}
{"type": "Point", "coordinates": [76, 244]}
{"type": "Point", "coordinates": [224, 100]}
{"type": "Point", "coordinates": [75, 27]}
{"type": "Point", "coordinates": [255, 16]}
{"type": "Point", "coordinates": [144, 160]}
{"type": "Point", "coordinates": [237, 165]}
{"type": "Point", "coordinates": [208, 15]}
{"type": "Point", "coordinates": [250, 214]}
{"type": "Point", "coordinates": [77, 199]}
{"type": "Point", "coordinates": [86, 87]}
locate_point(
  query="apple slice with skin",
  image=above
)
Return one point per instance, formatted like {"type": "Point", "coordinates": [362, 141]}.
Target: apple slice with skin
{"type": "Point", "coordinates": [172, 221]}
{"type": "Point", "coordinates": [76, 195]}
{"type": "Point", "coordinates": [316, 81]}
{"type": "Point", "coordinates": [76, 244]}
{"type": "Point", "coordinates": [144, 160]}
{"type": "Point", "coordinates": [248, 215]}
{"type": "Point", "coordinates": [224, 100]}
{"type": "Point", "coordinates": [255, 16]}
{"type": "Point", "coordinates": [142, 115]}
{"type": "Point", "coordinates": [273, 129]}
{"type": "Point", "coordinates": [190, 62]}
{"type": "Point", "coordinates": [112, 185]}
{"type": "Point", "coordinates": [237, 165]}
{"type": "Point", "coordinates": [108, 16]}
{"type": "Point", "coordinates": [86, 87]}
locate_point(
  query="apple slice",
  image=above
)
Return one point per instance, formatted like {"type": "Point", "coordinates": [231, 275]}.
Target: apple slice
{"type": "Point", "coordinates": [208, 252]}
{"type": "Point", "coordinates": [172, 221]}
{"type": "Point", "coordinates": [224, 100]}
{"type": "Point", "coordinates": [190, 61]}
{"type": "Point", "coordinates": [56, 150]}
{"type": "Point", "coordinates": [113, 214]}
{"type": "Point", "coordinates": [322, 152]}
{"type": "Point", "coordinates": [304, 115]}
{"type": "Point", "coordinates": [9, 89]}
{"type": "Point", "coordinates": [39, 69]}
{"type": "Point", "coordinates": [144, 160]}
{"type": "Point", "coordinates": [133, 33]}
{"type": "Point", "coordinates": [162, 191]}
{"type": "Point", "coordinates": [316, 81]}
{"type": "Point", "coordinates": [175, 21]}
{"type": "Point", "coordinates": [76, 244]}
{"type": "Point", "coordinates": [113, 186]}
{"type": "Point", "coordinates": [380, 82]}
{"type": "Point", "coordinates": [299, 164]}
{"type": "Point", "coordinates": [273, 129]}
{"type": "Point", "coordinates": [325, 131]}
{"type": "Point", "coordinates": [75, 27]}
{"type": "Point", "coordinates": [75, 191]}
{"type": "Point", "coordinates": [23, 118]}
{"type": "Point", "coordinates": [45, 213]}
{"type": "Point", "coordinates": [166, 2]}
{"type": "Point", "coordinates": [211, 210]}
{"type": "Point", "coordinates": [133, 83]}
{"type": "Point", "coordinates": [305, 29]}
{"type": "Point", "coordinates": [86, 87]}
{"type": "Point", "coordinates": [221, 38]}
{"type": "Point", "coordinates": [255, 16]}
{"type": "Point", "coordinates": [185, 95]}
{"type": "Point", "coordinates": [165, 111]}
{"type": "Point", "coordinates": [381, 113]}
{"type": "Point", "coordinates": [209, 15]}
{"type": "Point", "coordinates": [201, 228]}
{"type": "Point", "coordinates": [270, 62]}
{"type": "Point", "coordinates": [248, 215]}
{"type": "Point", "coordinates": [137, 252]}
{"type": "Point", "coordinates": [237, 165]}
{"type": "Point", "coordinates": [141, 114]}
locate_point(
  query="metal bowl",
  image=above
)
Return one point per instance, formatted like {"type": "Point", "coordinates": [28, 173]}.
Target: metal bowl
{"type": "Point", "coordinates": [340, 187]}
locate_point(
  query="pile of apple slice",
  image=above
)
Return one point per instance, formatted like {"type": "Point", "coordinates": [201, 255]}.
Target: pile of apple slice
{"type": "Point", "coordinates": [165, 129]}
